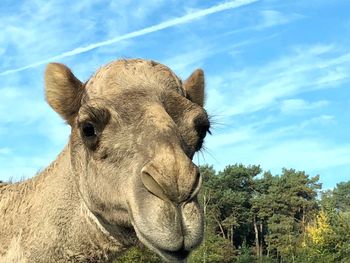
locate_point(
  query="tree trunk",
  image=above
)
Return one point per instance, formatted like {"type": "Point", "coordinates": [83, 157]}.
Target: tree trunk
{"type": "Point", "coordinates": [232, 236]}
{"type": "Point", "coordinates": [205, 226]}
{"type": "Point", "coordinates": [221, 229]}
{"type": "Point", "coordinates": [257, 246]}
{"type": "Point", "coordinates": [261, 239]}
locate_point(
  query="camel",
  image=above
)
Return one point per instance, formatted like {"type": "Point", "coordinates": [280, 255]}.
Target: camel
{"type": "Point", "coordinates": [125, 176]}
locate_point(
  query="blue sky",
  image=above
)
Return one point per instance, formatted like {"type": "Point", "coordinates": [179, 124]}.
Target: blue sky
{"type": "Point", "coordinates": [277, 75]}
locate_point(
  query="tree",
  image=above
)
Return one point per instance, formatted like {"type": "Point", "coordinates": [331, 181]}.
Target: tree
{"type": "Point", "coordinates": [236, 184]}
{"type": "Point", "coordinates": [287, 202]}
{"type": "Point", "coordinates": [341, 195]}
{"type": "Point", "coordinates": [336, 205]}
{"type": "Point", "coordinates": [261, 210]}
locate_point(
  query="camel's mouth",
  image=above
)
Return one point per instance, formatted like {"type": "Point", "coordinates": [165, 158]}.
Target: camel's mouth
{"type": "Point", "coordinates": [170, 230]}
{"type": "Point", "coordinates": [168, 255]}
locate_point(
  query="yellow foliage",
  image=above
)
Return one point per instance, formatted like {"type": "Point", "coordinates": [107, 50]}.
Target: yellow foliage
{"type": "Point", "coordinates": [319, 230]}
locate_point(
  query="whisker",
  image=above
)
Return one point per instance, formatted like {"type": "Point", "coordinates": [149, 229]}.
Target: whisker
{"type": "Point", "coordinates": [216, 123]}
{"type": "Point", "coordinates": [206, 150]}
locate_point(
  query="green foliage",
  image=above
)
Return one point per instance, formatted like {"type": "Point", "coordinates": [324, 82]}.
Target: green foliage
{"type": "Point", "coordinates": [246, 255]}
{"type": "Point", "coordinates": [340, 236]}
{"type": "Point", "coordinates": [341, 195]}
{"type": "Point", "coordinates": [292, 199]}
{"type": "Point", "coordinates": [138, 254]}
{"type": "Point", "coordinates": [228, 196]}
{"type": "Point", "coordinates": [214, 249]}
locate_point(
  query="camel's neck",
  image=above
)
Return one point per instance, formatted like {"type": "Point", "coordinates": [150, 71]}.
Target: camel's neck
{"type": "Point", "coordinates": [49, 214]}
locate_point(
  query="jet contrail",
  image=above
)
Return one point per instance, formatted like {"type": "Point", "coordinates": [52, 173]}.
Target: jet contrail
{"type": "Point", "coordinates": [163, 25]}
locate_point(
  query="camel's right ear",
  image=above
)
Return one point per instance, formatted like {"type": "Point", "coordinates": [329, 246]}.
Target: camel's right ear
{"type": "Point", "coordinates": [194, 87]}
{"type": "Point", "coordinates": [63, 91]}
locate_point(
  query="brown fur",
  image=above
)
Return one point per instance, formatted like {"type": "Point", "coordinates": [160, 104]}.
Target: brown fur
{"type": "Point", "coordinates": [195, 87]}
{"type": "Point", "coordinates": [63, 90]}
{"type": "Point", "coordinates": [126, 172]}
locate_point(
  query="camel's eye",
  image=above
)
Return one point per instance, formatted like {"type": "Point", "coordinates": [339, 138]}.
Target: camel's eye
{"type": "Point", "coordinates": [202, 128]}
{"type": "Point", "coordinates": [89, 133]}
{"type": "Point", "coordinates": [88, 130]}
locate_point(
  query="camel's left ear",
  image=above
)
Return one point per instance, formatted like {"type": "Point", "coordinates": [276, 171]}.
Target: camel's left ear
{"type": "Point", "coordinates": [194, 87]}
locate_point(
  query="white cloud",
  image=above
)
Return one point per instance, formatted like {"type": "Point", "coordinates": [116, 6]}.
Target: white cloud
{"type": "Point", "coordinates": [319, 120]}
{"type": "Point", "coordinates": [288, 147]}
{"type": "Point", "coordinates": [16, 168]}
{"type": "Point", "coordinates": [303, 154]}
{"type": "Point", "coordinates": [274, 144]}
{"type": "Point", "coordinates": [54, 129]}
{"type": "Point", "coordinates": [292, 106]}
{"type": "Point", "coordinates": [5, 150]}
{"type": "Point", "coordinates": [304, 69]}
{"type": "Point", "coordinates": [186, 61]}
{"type": "Point", "coordinates": [35, 30]}
{"type": "Point", "coordinates": [20, 105]}
{"type": "Point", "coordinates": [163, 25]}
{"type": "Point", "coordinates": [229, 138]}
{"type": "Point", "coordinates": [273, 18]}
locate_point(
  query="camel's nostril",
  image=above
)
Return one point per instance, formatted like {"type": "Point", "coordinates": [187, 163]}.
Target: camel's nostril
{"type": "Point", "coordinates": [196, 186]}
{"type": "Point", "coordinates": [152, 186]}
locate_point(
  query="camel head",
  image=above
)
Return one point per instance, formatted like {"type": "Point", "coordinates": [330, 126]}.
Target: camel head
{"type": "Point", "coordinates": [134, 130]}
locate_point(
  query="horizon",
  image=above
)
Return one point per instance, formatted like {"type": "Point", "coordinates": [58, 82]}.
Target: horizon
{"type": "Point", "coordinates": [277, 75]}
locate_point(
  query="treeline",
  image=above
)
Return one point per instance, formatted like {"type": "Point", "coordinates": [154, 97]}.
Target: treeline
{"type": "Point", "coordinates": [254, 216]}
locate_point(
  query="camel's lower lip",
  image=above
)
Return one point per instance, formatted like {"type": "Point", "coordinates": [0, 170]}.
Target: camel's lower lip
{"type": "Point", "coordinates": [171, 256]}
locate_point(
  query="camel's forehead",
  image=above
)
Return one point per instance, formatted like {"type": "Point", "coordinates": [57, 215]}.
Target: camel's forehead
{"type": "Point", "coordinates": [121, 75]}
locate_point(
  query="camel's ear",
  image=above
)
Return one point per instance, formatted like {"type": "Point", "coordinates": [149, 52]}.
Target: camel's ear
{"type": "Point", "coordinates": [194, 87]}
{"type": "Point", "coordinates": [63, 91]}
